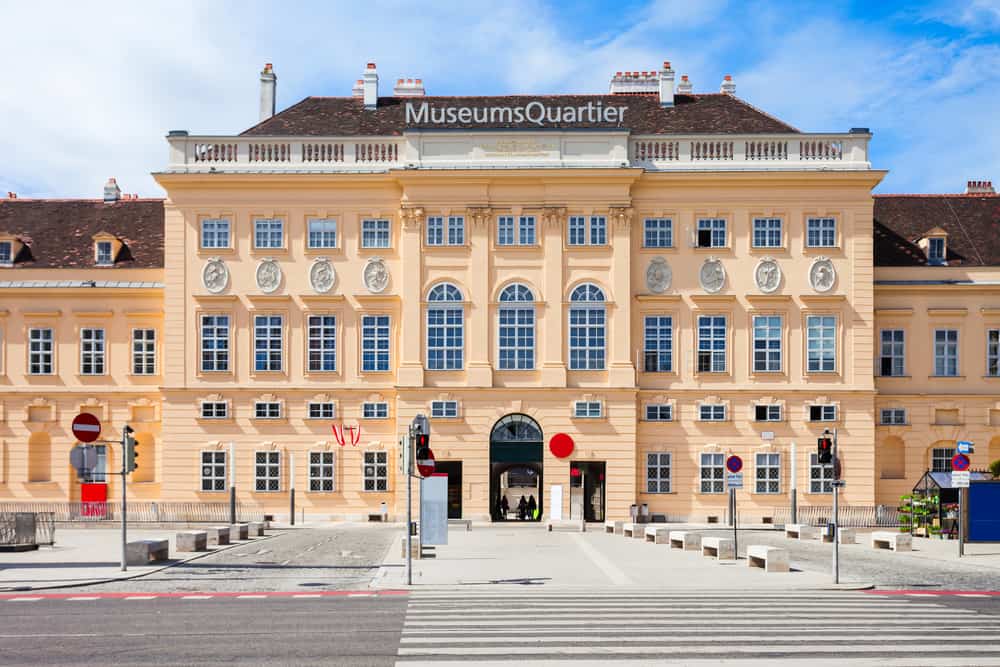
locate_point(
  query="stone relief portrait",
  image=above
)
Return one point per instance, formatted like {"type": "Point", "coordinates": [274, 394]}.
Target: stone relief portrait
{"type": "Point", "coordinates": [822, 274]}
{"type": "Point", "coordinates": [215, 275]}
{"type": "Point", "coordinates": [375, 275]}
{"type": "Point", "coordinates": [712, 275]}
{"type": "Point", "coordinates": [658, 275]}
{"type": "Point", "coordinates": [767, 275]}
{"type": "Point", "coordinates": [322, 275]}
{"type": "Point", "coordinates": [268, 275]}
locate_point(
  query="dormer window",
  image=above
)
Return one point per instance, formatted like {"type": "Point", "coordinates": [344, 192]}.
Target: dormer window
{"type": "Point", "coordinates": [108, 248]}
{"type": "Point", "coordinates": [6, 253]}
{"type": "Point", "coordinates": [104, 253]}
{"type": "Point", "coordinates": [936, 249]}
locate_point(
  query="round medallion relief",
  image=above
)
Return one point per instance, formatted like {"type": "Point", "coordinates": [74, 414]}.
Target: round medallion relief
{"type": "Point", "coordinates": [268, 275]}
{"type": "Point", "coordinates": [215, 275]}
{"type": "Point", "coordinates": [322, 275]}
{"type": "Point", "coordinates": [658, 275]}
{"type": "Point", "coordinates": [767, 275]}
{"type": "Point", "coordinates": [712, 275]}
{"type": "Point", "coordinates": [375, 275]}
{"type": "Point", "coordinates": [822, 275]}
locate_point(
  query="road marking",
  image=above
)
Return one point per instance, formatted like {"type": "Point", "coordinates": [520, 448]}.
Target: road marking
{"type": "Point", "coordinates": [196, 597]}
{"type": "Point", "coordinates": [973, 595]}
{"type": "Point", "coordinates": [141, 597]}
{"type": "Point", "coordinates": [681, 642]}
{"type": "Point", "coordinates": [509, 649]}
{"type": "Point", "coordinates": [307, 595]}
{"type": "Point", "coordinates": [81, 598]}
{"type": "Point", "coordinates": [360, 595]}
{"type": "Point", "coordinates": [602, 562]}
{"type": "Point", "coordinates": [22, 599]}
{"type": "Point", "coordinates": [250, 597]}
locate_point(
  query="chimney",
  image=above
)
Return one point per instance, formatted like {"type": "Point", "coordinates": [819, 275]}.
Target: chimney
{"type": "Point", "coordinates": [666, 85]}
{"type": "Point", "coordinates": [684, 87]}
{"type": "Point", "coordinates": [634, 83]}
{"type": "Point", "coordinates": [112, 192]}
{"type": "Point", "coordinates": [11, 195]}
{"type": "Point", "coordinates": [358, 89]}
{"type": "Point", "coordinates": [370, 83]}
{"type": "Point", "coordinates": [268, 88]}
{"type": "Point", "coordinates": [979, 188]}
{"type": "Point", "coordinates": [728, 87]}
{"type": "Point", "coordinates": [409, 88]}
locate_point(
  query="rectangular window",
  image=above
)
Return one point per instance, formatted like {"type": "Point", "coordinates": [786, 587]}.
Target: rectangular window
{"type": "Point", "coordinates": [144, 351]}
{"type": "Point", "coordinates": [40, 352]}
{"type": "Point", "coordinates": [517, 338]}
{"type": "Point", "coordinates": [821, 343]}
{"type": "Point", "coordinates": [577, 230]}
{"type": "Point", "coordinates": [768, 473]}
{"type": "Point", "coordinates": [505, 230]}
{"type": "Point", "coordinates": [375, 410]}
{"type": "Point", "coordinates": [767, 343]}
{"type": "Point", "coordinates": [935, 251]}
{"type": "Point", "coordinates": [892, 358]}
{"type": "Point", "coordinates": [893, 416]}
{"type": "Point", "coordinates": [268, 342]}
{"type": "Point", "coordinates": [435, 230]}
{"type": "Point", "coordinates": [322, 410]}
{"type": "Point", "coordinates": [214, 233]}
{"type": "Point", "coordinates": [92, 352]}
{"type": "Point", "coordinates": [712, 413]}
{"type": "Point", "coordinates": [267, 471]}
{"type": "Point", "coordinates": [713, 473]}
{"type": "Point", "coordinates": [712, 344]}
{"type": "Point", "coordinates": [658, 344]}
{"type": "Point", "coordinates": [821, 233]}
{"type": "Point", "coordinates": [946, 352]}
{"type": "Point", "coordinates": [375, 343]}
{"type": "Point", "coordinates": [268, 233]}
{"type": "Point", "coordinates": [213, 471]}
{"type": "Point", "coordinates": [767, 413]}
{"type": "Point", "coordinates": [526, 230]}
{"type": "Point", "coordinates": [323, 233]}
{"type": "Point", "coordinates": [587, 409]}
{"type": "Point", "coordinates": [586, 338]}
{"type": "Point", "coordinates": [820, 475]}
{"type": "Point", "coordinates": [322, 332]}
{"type": "Point", "coordinates": [103, 253]}
{"type": "Point", "coordinates": [712, 233]}
{"type": "Point", "coordinates": [941, 459]}
{"type": "Point", "coordinates": [659, 412]}
{"type": "Point", "coordinates": [658, 472]}
{"type": "Point", "coordinates": [767, 232]}
{"type": "Point", "coordinates": [598, 230]}
{"type": "Point", "coordinates": [6, 253]}
{"type": "Point", "coordinates": [267, 410]}
{"type": "Point", "coordinates": [214, 410]}
{"type": "Point", "coordinates": [596, 225]}
{"type": "Point", "coordinates": [444, 409]}
{"type": "Point", "coordinates": [445, 339]}
{"type": "Point", "coordinates": [375, 234]}
{"type": "Point", "coordinates": [822, 413]}
{"type": "Point", "coordinates": [658, 233]}
{"type": "Point", "coordinates": [321, 471]}
{"type": "Point", "coordinates": [214, 343]}
{"type": "Point", "coordinates": [376, 471]}
{"type": "Point", "coordinates": [993, 352]}
{"type": "Point", "coordinates": [456, 230]}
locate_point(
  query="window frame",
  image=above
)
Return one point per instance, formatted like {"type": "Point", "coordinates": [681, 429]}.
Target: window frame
{"type": "Point", "coordinates": [269, 363]}
{"type": "Point", "coordinates": [10, 253]}
{"type": "Point", "coordinates": [933, 259]}
{"type": "Point", "coordinates": [590, 409]}
{"type": "Point", "coordinates": [322, 471]}
{"type": "Point", "coordinates": [718, 227]}
{"type": "Point", "coordinates": [323, 352]}
{"type": "Point", "coordinates": [821, 232]}
{"type": "Point", "coordinates": [375, 409]}
{"type": "Point", "coordinates": [659, 412]}
{"type": "Point", "coordinates": [97, 355]}
{"type": "Point", "coordinates": [215, 405]}
{"type": "Point", "coordinates": [591, 336]}
{"type": "Point", "coordinates": [375, 234]}
{"type": "Point", "coordinates": [766, 363]}
{"type": "Point", "coordinates": [147, 358]}
{"type": "Point", "coordinates": [892, 413]}
{"type": "Point", "coordinates": [711, 350]}
{"type": "Point", "coordinates": [824, 408]}
{"type": "Point", "coordinates": [825, 345]}
{"type": "Point", "coordinates": [226, 353]}
{"type": "Point", "coordinates": [767, 232]}
{"type": "Point", "coordinates": [274, 229]}
{"type": "Point", "coordinates": [662, 229]}
{"type": "Point", "coordinates": [214, 478]}
{"type": "Point", "coordinates": [375, 455]}
{"type": "Point", "coordinates": [587, 230]}
{"type": "Point", "coordinates": [713, 410]}
{"type": "Point", "coordinates": [102, 258]}
{"type": "Point", "coordinates": [444, 332]}
{"type": "Point", "coordinates": [276, 407]}
{"type": "Point", "coordinates": [376, 333]}
{"type": "Point", "coordinates": [943, 360]}
{"type": "Point", "coordinates": [272, 464]}
{"type": "Point", "coordinates": [217, 223]}
{"type": "Point", "coordinates": [772, 412]}
{"type": "Point", "coordinates": [822, 483]}
{"type": "Point", "coordinates": [941, 459]}
{"type": "Point", "coordinates": [716, 463]}
{"type": "Point", "coordinates": [321, 407]}
{"type": "Point", "coordinates": [661, 344]}
{"type": "Point", "coordinates": [46, 357]}
{"type": "Point", "coordinates": [896, 352]}
{"type": "Point", "coordinates": [444, 409]}
{"type": "Point", "coordinates": [771, 465]}
{"type": "Point", "coordinates": [519, 354]}
{"type": "Point", "coordinates": [322, 234]}
{"type": "Point", "coordinates": [992, 352]}
{"type": "Point", "coordinates": [659, 466]}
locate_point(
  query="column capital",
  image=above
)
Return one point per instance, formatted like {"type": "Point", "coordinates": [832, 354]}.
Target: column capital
{"type": "Point", "coordinates": [621, 216]}
{"type": "Point", "coordinates": [554, 216]}
{"type": "Point", "coordinates": [412, 217]}
{"type": "Point", "coordinates": [479, 216]}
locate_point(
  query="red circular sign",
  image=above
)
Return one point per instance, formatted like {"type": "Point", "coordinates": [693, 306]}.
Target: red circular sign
{"type": "Point", "coordinates": [561, 445]}
{"type": "Point", "coordinates": [734, 464]}
{"type": "Point", "coordinates": [426, 463]}
{"type": "Point", "coordinates": [960, 462]}
{"type": "Point", "coordinates": [86, 427]}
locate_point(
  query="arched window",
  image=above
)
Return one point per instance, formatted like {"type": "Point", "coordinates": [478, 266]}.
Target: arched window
{"type": "Point", "coordinates": [587, 328]}
{"type": "Point", "coordinates": [517, 329]}
{"type": "Point", "coordinates": [445, 328]}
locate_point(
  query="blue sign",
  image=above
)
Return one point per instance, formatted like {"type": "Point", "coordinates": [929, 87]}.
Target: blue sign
{"type": "Point", "coordinates": [734, 480]}
{"type": "Point", "coordinates": [964, 447]}
{"type": "Point", "coordinates": [734, 463]}
{"type": "Point", "coordinates": [960, 462]}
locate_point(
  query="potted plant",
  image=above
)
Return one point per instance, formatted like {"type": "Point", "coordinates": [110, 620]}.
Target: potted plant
{"type": "Point", "coordinates": [950, 510]}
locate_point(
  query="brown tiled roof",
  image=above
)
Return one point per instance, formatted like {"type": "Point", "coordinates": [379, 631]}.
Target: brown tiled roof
{"type": "Point", "coordinates": [971, 221]}
{"type": "Point", "coordinates": [714, 113]}
{"type": "Point", "coordinates": [59, 232]}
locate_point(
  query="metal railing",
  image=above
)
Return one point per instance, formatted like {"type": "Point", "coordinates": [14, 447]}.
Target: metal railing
{"type": "Point", "coordinates": [138, 511]}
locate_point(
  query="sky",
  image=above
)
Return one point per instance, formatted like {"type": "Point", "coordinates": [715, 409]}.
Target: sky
{"type": "Point", "coordinates": [90, 91]}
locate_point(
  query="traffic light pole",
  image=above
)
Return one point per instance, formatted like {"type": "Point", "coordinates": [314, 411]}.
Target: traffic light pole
{"type": "Point", "coordinates": [408, 465]}
{"type": "Point", "coordinates": [124, 501]}
{"type": "Point", "coordinates": [836, 516]}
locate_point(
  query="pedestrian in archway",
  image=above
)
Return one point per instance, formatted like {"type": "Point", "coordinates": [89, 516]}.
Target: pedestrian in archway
{"type": "Point", "coordinates": [504, 508]}
{"type": "Point", "coordinates": [532, 507]}
{"type": "Point", "coordinates": [522, 508]}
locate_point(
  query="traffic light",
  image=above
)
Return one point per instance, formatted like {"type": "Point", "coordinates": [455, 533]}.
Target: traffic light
{"type": "Point", "coordinates": [423, 445]}
{"type": "Point", "coordinates": [130, 454]}
{"type": "Point", "coordinates": [824, 450]}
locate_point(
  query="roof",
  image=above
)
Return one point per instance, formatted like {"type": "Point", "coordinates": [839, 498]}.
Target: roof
{"type": "Point", "coordinates": [713, 113]}
{"type": "Point", "coordinates": [59, 232]}
{"type": "Point", "coordinates": [942, 480]}
{"type": "Point", "coordinates": [972, 223]}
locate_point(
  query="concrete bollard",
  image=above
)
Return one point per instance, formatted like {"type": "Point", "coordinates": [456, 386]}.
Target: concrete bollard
{"type": "Point", "coordinates": [239, 531]}
{"type": "Point", "coordinates": [218, 535]}
{"type": "Point", "coordinates": [192, 540]}
{"type": "Point", "coordinates": [256, 528]}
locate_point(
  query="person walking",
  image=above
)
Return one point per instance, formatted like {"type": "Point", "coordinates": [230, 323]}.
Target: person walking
{"type": "Point", "coordinates": [532, 507]}
{"type": "Point", "coordinates": [504, 508]}
{"type": "Point", "coordinates": [522, 508]}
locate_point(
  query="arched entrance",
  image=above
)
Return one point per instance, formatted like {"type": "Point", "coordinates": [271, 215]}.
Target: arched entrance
{"type": "Point", "coordinates": [515, 466]}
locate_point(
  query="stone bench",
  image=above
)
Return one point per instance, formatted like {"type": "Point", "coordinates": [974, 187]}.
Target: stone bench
{"type": "Point", "coordinates": [801, 531]}
{"type": "Point", "coordinates": [633, 530]}
{"type": "Point", "coordinates": [613, 527]}
{"type": "Point", "coordinates": [239, 531]}
{"type": "Point", "coordinates": [720, 548]}
{"type": "Point", "coordinates": [143, 552]}
{"type": "Point", "coordinates": [218, 535]}
{"type": "Point", "coordinates": [256, 528]}
{"type": "Point", "coordinates": [685, 539]}
{"type": "Point", "coordinates": [461, 522]}
{"type": "Point", "coordinates": [884, 539]}
{"type": "Point", "coordinates": [192, 540]}
{"type": "Point", "coordinates": [844, 535]}
{"type": "Point", "coordinates": [576, 525]}
{"type": "Point", "coordinates": [771, 559]}
{"type": "Point", "coordinates": [657, 535]}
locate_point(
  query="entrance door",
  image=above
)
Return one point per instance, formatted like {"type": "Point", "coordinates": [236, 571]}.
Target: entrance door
{"type": "Point", "coordinates": [454, 471]}
{"type": "Point", "coordinates": [94, 486]}
{"type": "Point", "coordinates": [516, 469]}
{"type": "Point", "coordinates": [587, 485]}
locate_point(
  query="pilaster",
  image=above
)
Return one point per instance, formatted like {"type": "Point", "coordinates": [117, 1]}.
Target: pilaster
{"type": "Point", "coordinates": [621, 370]}
{"type": "Point", "coordinates": [480, 371]}
{"type": "Point", "coordinates": [411, 369]}
{"type": "Point", "coordinates": [552, 335]}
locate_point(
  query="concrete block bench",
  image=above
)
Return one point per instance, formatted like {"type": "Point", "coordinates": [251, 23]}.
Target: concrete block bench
{"type": "Point", "coordinates": [143, 552]}
{"type": "Point", "coordinates": [884, 539]}
{"type": "Point", "coordinates": [576, 525]}
{"type": "Point", "coordinates": [801, 531]}
{"type": "Point", "coordinates": [657, 535]}
{"type": "Point", "coordinates": [613, 527]}
{"type": "Point", "coordinates": [256, 528]}
{"type": "Point", "coordinates": [633, 530]}
{"type": "Point", "coordinates": [844, 535]}
{"type": "Point", "coordinates": [239, 531]}
{"type": "Point", "coordinates": [192, 540]}
{"type": "Point", "coordinates": [218, 535]}
{"type": "Point", "coordinates": [771, 559]}
{"type": "Point", "coordinates": [685, 539]}
{"type": "Point", "coordinates": [467, 523]}
{"type": "Point", "coordinates": [720, 548]}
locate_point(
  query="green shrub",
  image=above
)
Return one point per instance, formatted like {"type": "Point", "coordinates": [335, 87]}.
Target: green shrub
{"type": "Point", "coordinates": [995, 468]}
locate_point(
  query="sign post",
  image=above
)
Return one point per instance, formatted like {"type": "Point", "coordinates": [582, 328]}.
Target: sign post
{"type": "Point", "coordinates": [960, 480]}
{"type": "Point", "coordinates": [836, 511]}
{"type": "Point", "coordinates": [794, 485]}
{"type": "Point", "coordinates": [291, 488]}
{"type": "Point", "coordinates": [232, 482]}
{"type": "Point", "coordinates": [419, 426]}
{"type": "Point", "coordinates": [734, 465]}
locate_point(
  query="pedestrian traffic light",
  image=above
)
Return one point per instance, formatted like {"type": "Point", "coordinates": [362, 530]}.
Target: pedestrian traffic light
{"type": "Point", "coordinates": [130, 454]}
{"type": "Point", "coordinates": [423, 445]}
{"type": "Point", "coordinates": [824, 450]}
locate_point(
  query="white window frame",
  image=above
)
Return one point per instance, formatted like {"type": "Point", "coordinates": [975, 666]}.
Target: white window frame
{"type": "Point", "coordinates": [658, 343]}
{"type": "Point", "coordinates": [321, 410]}
{"type": "Point", "coordinates": [712, 472]}
{"type": "Point", "coordinates": [587, 230]}
{"type": "Point", "coordinates": [941, 459]}
{"type": "Point", "coordinates": [445, 332]}
{"type": "Point", "coordinates": [322, 471]}
{"type": "Point", "coordinates": [6, 253]}
{"type": "Point", "coordinates": [376, 343]}
{"type": "Point", "coordinates": [821, 232]}
{"type": "Point", "coordinates": [267, 410]}
{"type": "Point", "coordinates": [768, 343]}
{"type": "Point", "coordinates": [767, 473]}
{"type": "Point", "coordinates": [444, 409]}
{"type": "Point", "coordinates": [712, 412]}
{"type": "Point", "coordinates": [946, 351]}
{"type": "Point", "coordinates": [658, 233]}
{"type": "Point", "coordinates": [993, 352]}
{"type": "Point", "coordinates": [771, 412]}
{"type": "Point", "coordinates": [516, 329]}
{"type": "Point", "coordinates": [371, 461]}
{"type": "Point", "coordinates": [376, 233]}
{"type": "Point", "coordinates": [659, 412]}
{"type": "Point", "coordinates": [321, 343]}
{"type": "Point", "coordinates": [268, 233]}
{"type": "Point", "coordinates": [211, 461]}
{"type": "Point", "coordinates": [715, 359]}
{"type": "Point", "coordinates": [93, 351]}
{"type": "Point", "coordinates": [375, 410]}
{"type": "Point", "coordinates": [527, 230]}
{"type": "Point", "coordinates": [828, 412]}
{"type": "Point", "coordinates": [588, 332]}
{"type": "Point", "coordinates": [324, 236]}
{"type": "Point", "coordinates": [210, 410]}
{"type": "Point", "coordinates": [820, 475]}
{"type": "Point", "coordinates": [214, 233]}
{"type": "Point", "coordinates": [767, 233]}
{"type": "Point", "coordinates": [719, 232]}
{"type": "Point", "coordinates": [268, 346]}
{"type": "Point", "coordinates": [892, 416]}
{"type": "Point", "coordinates": [267, 471]}
{"type": "Point", "coordinates": [219, 356]}
{"type": "Point", "coordinates": [893, 350]}
{"type": "Point", "coordinates": [656, 464]}
{"type": "Point", "coordinates": [935, 244]}
{"type": "Point", "coordinates": [144, 351]}
{"type": "Point", "coordinates": [588, 409]}
{"type": "Point", "coordinates": [104, 253]}
{"type": "Point", "coordinates": [821, 343]}
{"type": "Point", "coordinates": [41, 351]}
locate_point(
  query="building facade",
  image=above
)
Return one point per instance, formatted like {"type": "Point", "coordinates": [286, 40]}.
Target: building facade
{"type": "Point", "coordinates": [595, 299]}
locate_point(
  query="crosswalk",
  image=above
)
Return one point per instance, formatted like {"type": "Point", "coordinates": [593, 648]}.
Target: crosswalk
{"type": "Point", "coordinates": [823, 627]}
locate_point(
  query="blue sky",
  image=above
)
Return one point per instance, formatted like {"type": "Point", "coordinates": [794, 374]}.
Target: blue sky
{"type": "Point", "coordinates": [90, 93]}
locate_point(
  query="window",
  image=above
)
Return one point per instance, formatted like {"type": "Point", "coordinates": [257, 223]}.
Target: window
{"type": "Point", "coordinates": [376, 471]}
{"type": "Point", "coordinates": [578, 228]}
{"type": "Point", "coordinates": [941, 459]}
{"type": "Point", "coordinates": [893, 416]}
{"type": "Point", "coordinates": [144, 351]}
{"type": "Point", "coordinates": [103, 253]}
{"type": "Point", "coordinates": [767, 343]}
{"type": "Point", "coordinates": [821, 233]}
{"type": "Point", "coordinates": [268, 334]}
{"type": "Point", "coordinates": [586, 328]}
{"type": "Point", "coordinates": [713, 475]}
{"type": "Point", "coordinates": [40, 352]}
{"type": "Point", "coordinates": [767, 413]}
{"type": "Point", "coordinates": [523, 234]}
{"type": "Point", "coordinates": [659, 412]}
{"type": "Point", "coordinates": [517, 329]}
{"type": "Point", "coordinates": [587, 409]}
{"type": "Point", "coordinates": [935, 251]}
{"type": "Point", "coordinates": [213, 471]}
{"type": "Point", "coordinates": [526, 230]}
{"type": "Point", "coordinates": [214, 343]}
{"type": "Point", "coordinates": [440, 233]}
{"type": "Point", "coordinates": [267, 410]}
{"type": "Point", "coordinates": [893, 354]}
{"type": "Point", "coordinates": [214, 233]}
{"type": "Point", "coordinates": [993, 352]}
{"type": "Point", "coordinates": [375, 234]}
{"type": "Point", "coordinates": [946, 352]}
{"type": "Point", "coordinates": [658, 472]}
{"type": "Point", "coordinates": [444, 409]}
{"type": "Point", "coordinates": [214, 410]}
{"type": "Point", "coordinates": [821, 343]}
{"type": "Point", "coordinates": [267, 471]}
{"type": "Point", "coordinates": [322, 343]}
{"type": "Point", "coordinates": [712, 413]}
{"type": "Point", "coordinates": [658, 233]}
{"type": "Point", "coordinates": [268, 233]}
{"type": "Point", "coordinates": [712, 344]}
{"type": "Point", "coordinates": [375, 343]}
{"type": "Point", "coordinates": [322, 410]}
{"type": "Point", "coordinates": [321, 471]}
{"type": "Point", "coordinates": [820, 476]}
{"type": "Point", "coordinates": [712, 233]}
{"type": "Point", "coordinates": [445, 328]}
{"type": "Point", "coordinates": [323, 233]}
{"type": "Point", "coordinates": [767, 232]}
{"type": "Point", "coordinates": [91, 351]}
{"type": "Point", "coordinates": [375, 410]}
{"type": "Point", "coordinates": [6, 253]}
{"type": "Point", "coordinates": [768, 473]}
{"type": "Point", "coordinates": [822, 413]}
{"type": "Point", "coordinates": [505, 230]}
{"type": "Point", "coordinates": [658, 344]}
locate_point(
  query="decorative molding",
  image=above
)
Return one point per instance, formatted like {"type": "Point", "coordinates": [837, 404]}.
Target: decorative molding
{"type": "Point", "coordinates": [554, 216]}
{"type": "Point", "coordinates": [947, 312]}
{"type": "Point", "coordinates": [375, 275]}
{"type": "Point", "coordinates": [412, 217]}
{"type": "Point", "coordinates": [478, 216]}
{"type": "Point", "coordinates": [322, 275]}
{"type": "Point", "coordinates": [621, 217]}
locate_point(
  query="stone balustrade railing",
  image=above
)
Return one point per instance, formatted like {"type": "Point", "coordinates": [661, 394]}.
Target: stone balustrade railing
{"type": "Point", "coordinates": [796, 151]}
{"type": "Point", "coordinates": [202, 154]}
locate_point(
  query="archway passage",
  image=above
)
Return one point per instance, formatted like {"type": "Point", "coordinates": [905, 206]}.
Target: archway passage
{"type": "Point", "coordinates": [516, 469]}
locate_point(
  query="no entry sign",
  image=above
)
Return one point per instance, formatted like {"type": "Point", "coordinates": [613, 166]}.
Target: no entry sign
{"type": "Point", "coordinates": [86, 427]}
{"type": "Point", "coordinates": [425, 462]}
